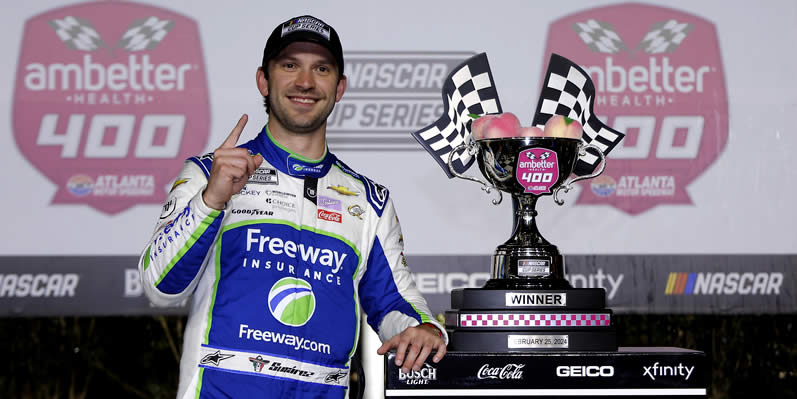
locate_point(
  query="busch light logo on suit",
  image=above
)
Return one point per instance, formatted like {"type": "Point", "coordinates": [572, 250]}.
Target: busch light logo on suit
{"type": "Point", "coordinates": [291, 301]}
{"type": "Point", "coordinates": [108, 95]}
{"type": "Point", "coordinates": [659, 78]}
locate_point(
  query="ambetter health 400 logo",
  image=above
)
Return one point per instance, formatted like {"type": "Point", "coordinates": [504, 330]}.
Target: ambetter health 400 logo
{"type": "Point", "coordinates": [659, 79]}
{"type": "Point", "coordinates": [108, 95]}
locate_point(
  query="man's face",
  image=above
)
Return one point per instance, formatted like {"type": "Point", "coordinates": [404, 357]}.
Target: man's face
{"type": "Point", "coordinates": [303, 86]}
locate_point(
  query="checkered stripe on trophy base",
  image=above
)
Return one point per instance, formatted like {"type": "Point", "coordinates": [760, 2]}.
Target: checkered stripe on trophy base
{"type": "Point", "coordinates": [469, 318]}
{"type": "Point", "coordinates": [537, 299]}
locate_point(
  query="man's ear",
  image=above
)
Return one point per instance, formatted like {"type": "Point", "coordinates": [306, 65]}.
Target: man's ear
{"type": "Point", "coordinates": [262, 81]}
{"type": "Point", "coordinates": [341, 88]}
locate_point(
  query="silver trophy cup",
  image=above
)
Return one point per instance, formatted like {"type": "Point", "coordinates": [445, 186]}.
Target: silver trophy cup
{"type": "Point", "coordinates": [527, 168]}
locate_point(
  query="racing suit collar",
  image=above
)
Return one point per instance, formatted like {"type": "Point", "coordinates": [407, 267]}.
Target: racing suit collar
{"type": "Point", "coordinates": [289, 162]}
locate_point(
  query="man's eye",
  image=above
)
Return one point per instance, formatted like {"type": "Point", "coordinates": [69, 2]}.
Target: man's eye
{"type": "Point", "coordinates": [323, 69]}
{"type": "Point", "coordinates": [289, 65]}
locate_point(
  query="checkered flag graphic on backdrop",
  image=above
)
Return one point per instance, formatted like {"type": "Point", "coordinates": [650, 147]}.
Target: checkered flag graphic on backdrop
{"type": "Point", "coordinates": [145, 34]}
{"type": "Point", "coordinates": [665, 37]}
{"type": "Point", "coordinates": [599, 36]}
{"type": "Point", "coordinates": [469, 89]}
{"type": "Point", "coordinates": [77, 33]}
{"type": "Point", "coordinates": [569, 91]}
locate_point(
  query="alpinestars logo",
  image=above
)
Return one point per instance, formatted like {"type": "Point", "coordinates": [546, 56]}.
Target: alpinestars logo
{"type": "Point", "coordinates": [102, 97]}
{"type": "Point", "coordinates": [215, 357]}
{"type": "Point", "coordinates": [659, 79]}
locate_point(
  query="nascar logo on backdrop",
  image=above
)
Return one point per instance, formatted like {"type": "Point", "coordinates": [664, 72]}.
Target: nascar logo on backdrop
{"type": "Point", "coordinates": [659, 79]}
{"type": "Point", "coordinates": [108, 95]}
{"type": "Point", "coordinates": [389, 94]}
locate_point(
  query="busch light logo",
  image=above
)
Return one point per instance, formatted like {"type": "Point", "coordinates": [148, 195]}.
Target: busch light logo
{"type": "Point", "coordinates": [537, 170]}
{"type": "Point", "coordinates": [659, 79]}
{"type": "Point", "coordinates": [291, 301]}
{"type": "Point", "coordinates": [387, 95]}
{"type": "Point", "coordinates": [107, 96]}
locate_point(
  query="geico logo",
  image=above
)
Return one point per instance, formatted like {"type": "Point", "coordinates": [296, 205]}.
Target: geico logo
{"type": "Point", "coordinates": [658, 76]}
{"type": "Point", "coordinates": [122, 125]}
{"type": "Point", "coordinates": [391, 74]}
{"type": "Point", "coordinates": [38, 285]}
{"type": "Point", "coordinates": [443, 283]}
{"type": "Point", "coordinates": [585, 371]}
{"type": "Point", "coordinates": [597, 280]}
{"type": "Point", "coordinates": [278, 246]}
{"type": "Point", "coordinates": [93, 77]}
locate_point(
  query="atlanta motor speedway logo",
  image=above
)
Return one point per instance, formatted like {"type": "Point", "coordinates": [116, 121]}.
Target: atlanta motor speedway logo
{"type": "Point", "coordinates": [389, 95]}
{"type": "Point", "coordinates": [659, 78]}
{"type": "Point", "coordinates": [107, 96]}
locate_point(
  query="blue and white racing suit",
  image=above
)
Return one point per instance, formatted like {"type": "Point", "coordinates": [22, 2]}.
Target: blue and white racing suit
{"type": "Point", "coordinates": [279, 274]}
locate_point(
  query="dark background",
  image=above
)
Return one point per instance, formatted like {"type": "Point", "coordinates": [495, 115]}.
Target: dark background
{"type": "Point", "coordinates": [751, 356]}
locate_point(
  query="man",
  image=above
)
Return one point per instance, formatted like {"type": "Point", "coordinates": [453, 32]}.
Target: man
{"type": "Point", "coordinates": [280, 243]}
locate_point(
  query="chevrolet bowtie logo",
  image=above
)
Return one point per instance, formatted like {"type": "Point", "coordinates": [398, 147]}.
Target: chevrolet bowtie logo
{"type": "Point", "coordinates": [343, 190]}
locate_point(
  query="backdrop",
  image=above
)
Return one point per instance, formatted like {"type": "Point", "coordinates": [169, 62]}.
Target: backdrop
{"type": "Point", "coordinates": [101, 101]}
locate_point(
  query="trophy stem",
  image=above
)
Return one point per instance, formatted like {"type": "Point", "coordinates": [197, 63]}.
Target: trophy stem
{"type": "Point", "coordinates": [525, 225]}
{"type": "Point", "coordinates": [527, 259]}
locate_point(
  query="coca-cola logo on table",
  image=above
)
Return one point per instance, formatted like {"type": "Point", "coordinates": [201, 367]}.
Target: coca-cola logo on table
{"type": "Point", "coordinates": [511, 371]}
{"type": "Point", "coordinates": [108, 95]}
{"type": "Point", "coordinates": [659, 79]}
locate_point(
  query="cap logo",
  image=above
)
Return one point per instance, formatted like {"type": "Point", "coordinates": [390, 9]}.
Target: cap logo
{"type": "Point", "coordinates": [308, 24]}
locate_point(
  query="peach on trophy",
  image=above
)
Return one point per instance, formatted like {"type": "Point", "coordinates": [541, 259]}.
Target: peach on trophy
{"type": "Point", "coordinates": [562, 126]}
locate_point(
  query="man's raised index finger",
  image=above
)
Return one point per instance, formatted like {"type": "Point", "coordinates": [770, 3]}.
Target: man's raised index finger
{"type": "Point", "coordinates": [232, 139]}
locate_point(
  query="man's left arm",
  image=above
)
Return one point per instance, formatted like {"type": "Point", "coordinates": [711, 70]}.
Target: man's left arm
{"type": "Point", "coordinates": [396, 309]}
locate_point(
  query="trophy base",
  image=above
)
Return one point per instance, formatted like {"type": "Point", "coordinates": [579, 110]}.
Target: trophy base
{"type": "Point", "coordinates": [541, 283]}
{"type": "Point", "coordinates": [533, 341]}
{"type": "Point", "coordinates": [530, 320]}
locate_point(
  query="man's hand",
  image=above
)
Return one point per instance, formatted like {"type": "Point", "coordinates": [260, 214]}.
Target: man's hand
{"type": "Point", "coordinates": [416, 342]}
{"type": "Point", "coordinates": [231, 169]}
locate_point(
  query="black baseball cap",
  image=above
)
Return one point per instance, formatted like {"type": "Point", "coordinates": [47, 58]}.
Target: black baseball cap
{"type": "Point", "coordinates": [303, 29]}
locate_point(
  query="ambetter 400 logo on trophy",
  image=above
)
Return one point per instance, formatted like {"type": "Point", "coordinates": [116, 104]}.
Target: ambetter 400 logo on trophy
{"type": "Point", "coordinates": [527, 305]}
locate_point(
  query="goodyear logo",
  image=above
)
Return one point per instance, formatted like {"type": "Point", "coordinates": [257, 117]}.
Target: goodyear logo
{"type": "Point", "coordinates": [721, 283]}
{"type": "Point", "coordinates": [388, 95]}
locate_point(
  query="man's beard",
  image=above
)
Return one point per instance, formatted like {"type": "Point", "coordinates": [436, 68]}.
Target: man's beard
{"type": "Point", "coordinates": [297, 126]}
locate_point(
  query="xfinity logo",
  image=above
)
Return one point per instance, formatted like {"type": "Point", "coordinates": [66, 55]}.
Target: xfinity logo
{"type": "Point", "coordinates": [597, 280]}
{"type": "Point", "coordinates": [585, 371]}
{"type": "Point", "coordinates": [509, 372]}
{"type": "Point", "coordinates": [657, 370]}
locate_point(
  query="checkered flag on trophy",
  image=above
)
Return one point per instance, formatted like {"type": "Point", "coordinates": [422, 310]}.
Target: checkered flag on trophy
{"type": "Point", "coordinates": [468, 90]}
{"type": "Point", "coordinates": [665, 37]}
{"type": "Point", "coordinates": [599, 36]}
{"type": "Point", "coordinates": [145, 34]}
{"type": "Point", "coordinates": [77, 33]}
{"type": "Point", "coordinates": [569, 91]}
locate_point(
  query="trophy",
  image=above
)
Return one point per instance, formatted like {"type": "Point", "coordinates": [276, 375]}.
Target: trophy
{"type": "Point", "coordinates": [527, 305]}
{"type": "Point", "coordinates": [527, 168]}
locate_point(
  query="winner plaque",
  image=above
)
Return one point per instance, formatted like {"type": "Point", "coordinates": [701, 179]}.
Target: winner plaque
{"type": "Point", "coordinates": [527, 305]}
